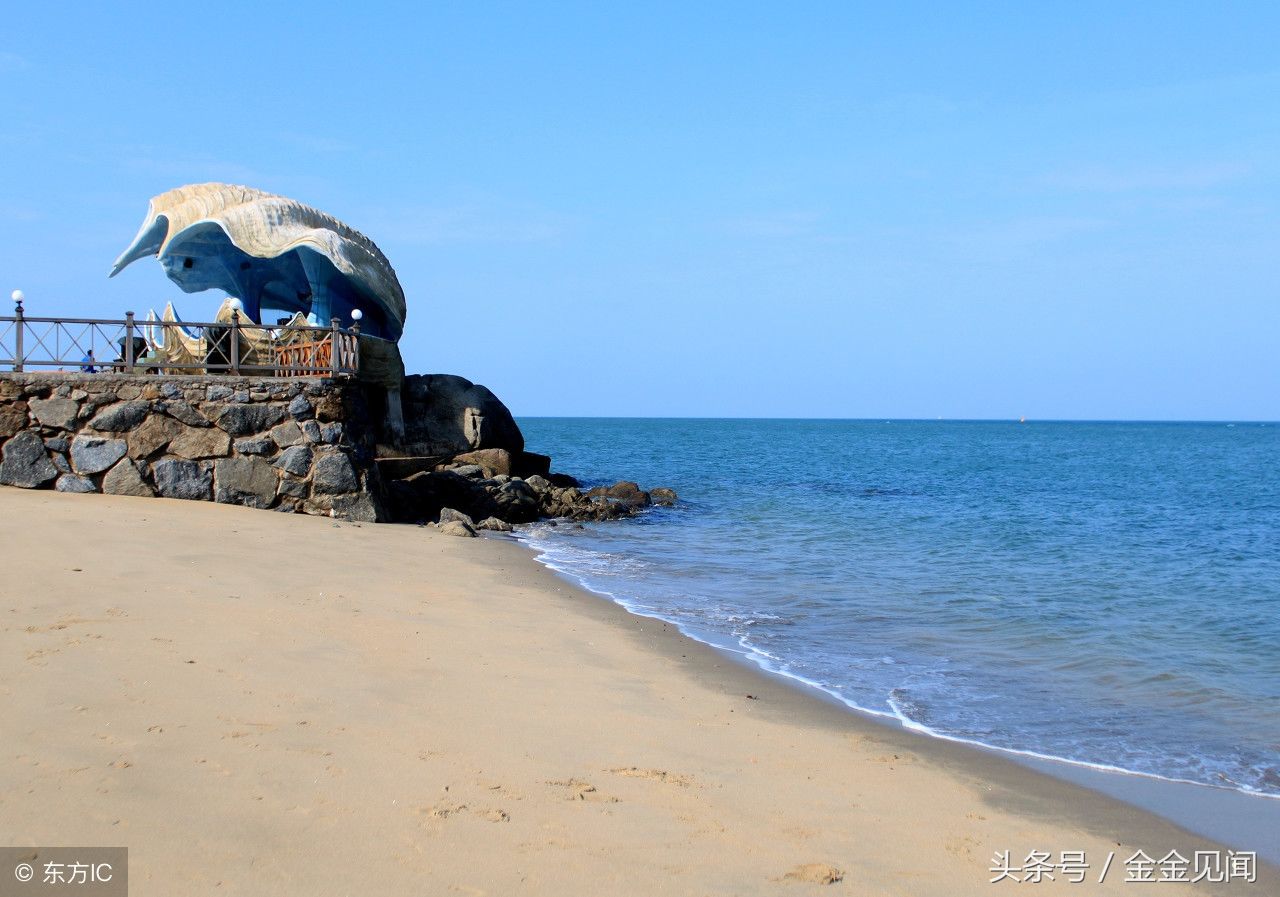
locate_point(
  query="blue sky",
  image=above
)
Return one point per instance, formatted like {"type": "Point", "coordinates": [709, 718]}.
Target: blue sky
{"type": "Point", "coordinates": [837, 210]}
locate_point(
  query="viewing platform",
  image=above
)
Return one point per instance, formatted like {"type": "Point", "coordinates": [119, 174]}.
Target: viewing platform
{"type": "Point", "coordinates": [231, 346]}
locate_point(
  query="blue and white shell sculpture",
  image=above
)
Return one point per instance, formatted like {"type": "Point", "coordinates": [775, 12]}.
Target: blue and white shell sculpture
{"type": "Point", "coordinates": [273, 253]}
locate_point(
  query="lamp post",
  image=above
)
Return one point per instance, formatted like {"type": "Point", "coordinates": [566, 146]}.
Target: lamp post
{"type": "Point", "coordinates": [17, 296]}
{"type": "Point", "coordinates": [236, 307]}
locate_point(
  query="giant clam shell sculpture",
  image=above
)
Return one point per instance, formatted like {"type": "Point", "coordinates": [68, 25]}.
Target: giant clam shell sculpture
{"type": "Point", "coordinates": [273, 253]}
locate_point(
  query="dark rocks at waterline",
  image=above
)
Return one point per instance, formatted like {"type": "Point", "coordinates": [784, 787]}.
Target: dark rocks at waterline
{"type": "Point", "coordinates": [664, 497]}
{"type": "Point", "coordinates": [445, 495]}
{"type": "Point", "coordinates": [495, 525]}
{"type": "Point", "coordinates": [625, 493]}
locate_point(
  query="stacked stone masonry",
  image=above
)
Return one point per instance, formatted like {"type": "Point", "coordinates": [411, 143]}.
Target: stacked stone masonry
{"type": "Point", "coordinates": [291, 445]}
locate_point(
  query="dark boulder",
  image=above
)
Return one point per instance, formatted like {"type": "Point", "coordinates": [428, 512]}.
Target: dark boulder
{"type": "Point", "coordinates": [422, 496]}
{"type": "Point", "coordinates": [663, 497]}
{"type": "Point", "coordinates": [624, 492]}
{"type": "Point", "coordinates": [445, 415]}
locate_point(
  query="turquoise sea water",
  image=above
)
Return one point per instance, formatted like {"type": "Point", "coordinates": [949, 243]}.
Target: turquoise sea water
{"type": "Point", "coordinates": [1106, 593]}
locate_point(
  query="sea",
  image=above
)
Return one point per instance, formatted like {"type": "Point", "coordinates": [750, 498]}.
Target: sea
{"type": "Point", "coordinates": [1102, 594]}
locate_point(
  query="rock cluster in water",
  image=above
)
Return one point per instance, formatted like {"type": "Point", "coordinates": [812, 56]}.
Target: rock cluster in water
{"type": "Point", "coordinates": [485, 487]}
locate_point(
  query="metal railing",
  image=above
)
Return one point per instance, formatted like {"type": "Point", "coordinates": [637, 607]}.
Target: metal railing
{"type": "Point", "coordinates": [237, 348]}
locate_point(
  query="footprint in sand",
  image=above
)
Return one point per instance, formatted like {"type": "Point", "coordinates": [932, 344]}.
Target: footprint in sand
{"type": "Point", "coordinates": [961, 846]}
{"type": "Point", "coordinates": [445, 811]}
{"type": "Point", "coordinates": [656, 775]}
{"type": "Point", "coordinates": [814, 874]}
{"type": "Point", "coordinates": [579, 789]}
{"type": "Point", "coordinates": [892, 758]}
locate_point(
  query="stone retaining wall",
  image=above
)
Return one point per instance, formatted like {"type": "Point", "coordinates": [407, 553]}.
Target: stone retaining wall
{"type": "Point", "coordinates": [304, 446]}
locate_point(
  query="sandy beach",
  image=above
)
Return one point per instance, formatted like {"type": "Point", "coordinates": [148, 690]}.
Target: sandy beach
{"type": "Point", "coordinates": [260, 703]}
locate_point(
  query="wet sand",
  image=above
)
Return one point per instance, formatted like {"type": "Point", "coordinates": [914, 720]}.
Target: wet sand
{"type": "Point", "coordinates": [259, 703]}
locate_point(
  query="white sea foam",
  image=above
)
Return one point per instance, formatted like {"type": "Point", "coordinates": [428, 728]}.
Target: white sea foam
{"type": "Point", "coordinates": [585, 566]}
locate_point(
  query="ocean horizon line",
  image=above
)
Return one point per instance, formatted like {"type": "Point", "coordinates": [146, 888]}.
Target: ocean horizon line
{"type": "Point", "coordinates": [910, 420]}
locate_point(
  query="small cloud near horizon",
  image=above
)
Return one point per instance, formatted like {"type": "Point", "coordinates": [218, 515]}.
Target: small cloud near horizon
{"type": "Point", "coordinates": [12, 62]}
{"type": "Point", "coordinates": [1024, 232]}
{"type": "Point", "coordinates": [772, 224]}
{"type": "Point", "coordinates": [1110, 179]}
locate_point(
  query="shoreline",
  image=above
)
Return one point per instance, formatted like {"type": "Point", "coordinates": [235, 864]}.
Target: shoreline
{"type": "Point", "coordinates": [461, 708]}
{"type": "Point", "coordinates": [1229, 815]}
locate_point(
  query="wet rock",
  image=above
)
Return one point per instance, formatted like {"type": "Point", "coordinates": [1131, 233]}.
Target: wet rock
{"type": "Point", "coordinates": [25, 462]}
{"type": "Point", "coordinates": [624, 492]}
{"type": "Point", "coordinates": [664, 497]}
{"type": "Point", "coordinates": [495, 525]}
{"type": "Point", "coordinates": [516, 502]}
{"type": "Point", "coordinates": [93, 454]}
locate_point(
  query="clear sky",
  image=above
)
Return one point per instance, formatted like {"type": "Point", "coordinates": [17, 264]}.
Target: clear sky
{"type": "Point", "coordinates": [1063, 210]}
